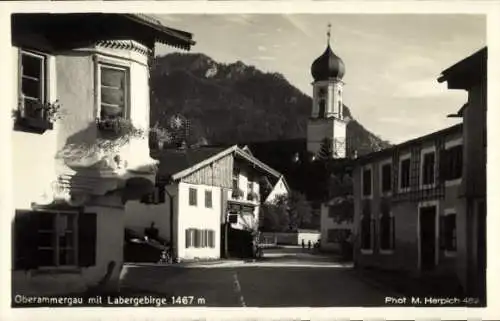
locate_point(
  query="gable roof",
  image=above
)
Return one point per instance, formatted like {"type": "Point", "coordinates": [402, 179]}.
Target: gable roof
{"type": "Point", "coordinates": [176, 163]}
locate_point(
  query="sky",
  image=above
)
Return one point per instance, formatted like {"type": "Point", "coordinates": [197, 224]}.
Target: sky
{"type": "Point", "coordinates": [392, 61]}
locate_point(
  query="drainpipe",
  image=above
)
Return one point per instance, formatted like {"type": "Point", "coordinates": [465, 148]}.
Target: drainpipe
{"type": "Point", "coordinates": [173, 245]}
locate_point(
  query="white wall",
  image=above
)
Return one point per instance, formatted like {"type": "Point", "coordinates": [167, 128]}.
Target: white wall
{"type": "Point", "coordinates": [139, 216]}
{"type": "Point", "coordinates": [72, 82]}
{"type": "Point", "coordinates": [109, 248]}
{"type": "Point", "coordinates": [33, 154]}
{"type": "Point", "coordinates": [328, 223]}
{"type": "Point", "coordinates": [308, 236]}
{"type": "Point", "coordinates": [278, 189]}
{"type": "Point", "coordinates": [198, 217]}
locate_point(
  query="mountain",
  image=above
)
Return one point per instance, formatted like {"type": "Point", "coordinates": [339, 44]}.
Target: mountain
{"type": "Point", "coordinates": [235, 103]}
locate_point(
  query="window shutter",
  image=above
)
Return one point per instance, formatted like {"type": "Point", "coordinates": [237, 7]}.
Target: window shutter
{"type": "Point", "coordinates": [196, 238]}
{"type": "Point", "coordinates": [211, 239]}
{"type": "Point", "coordinates": [87, 237]}
{"type": "Point", "coordinates": [25, 240]}
{"type": "Point", "coordinates": [444, 165]}
{"type": "Point", "coordinates": [188, 238]}
{"type": "Point", "coordinates": [442, 232]}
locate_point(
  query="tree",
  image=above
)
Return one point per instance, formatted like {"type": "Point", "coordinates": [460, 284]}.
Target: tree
{"type": "Point", "coordinates": [299, 211]}
{"type": "Point", "coordinates": [274, 216]}
{"type": "Point", "coordinates": [340, 190]}
{"type": "Point", "coordinates": [287, 213]}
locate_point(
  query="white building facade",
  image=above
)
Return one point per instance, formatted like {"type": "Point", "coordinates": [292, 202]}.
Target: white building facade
{"type": "Point", "coordinates": [67, 204]}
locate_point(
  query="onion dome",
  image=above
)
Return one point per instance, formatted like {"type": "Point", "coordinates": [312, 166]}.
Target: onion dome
{"type": "Point", "coordinates": [328, 66]}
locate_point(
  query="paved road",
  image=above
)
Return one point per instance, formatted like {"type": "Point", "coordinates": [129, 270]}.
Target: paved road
{"type": "Point", "coordinates": [296, 283]}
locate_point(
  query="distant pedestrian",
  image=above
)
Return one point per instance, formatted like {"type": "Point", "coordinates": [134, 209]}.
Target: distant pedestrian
{"type": "Point", "coordinates": [303, 244]}
{"type": "Point", "coordinates": [309, 244]}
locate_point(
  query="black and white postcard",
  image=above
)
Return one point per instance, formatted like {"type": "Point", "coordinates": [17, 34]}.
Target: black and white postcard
{"type": "Point", "coordinates": [190, 157]}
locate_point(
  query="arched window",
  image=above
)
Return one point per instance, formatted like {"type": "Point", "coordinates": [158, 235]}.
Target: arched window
{"type": "Point", "coordinates": [322, 106]}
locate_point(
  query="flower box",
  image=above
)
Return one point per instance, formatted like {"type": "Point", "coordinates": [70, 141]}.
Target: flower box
{"type": "Point", "coordinates": [114, 128]}
{"type": "Point", "coordinates": [36, 116]}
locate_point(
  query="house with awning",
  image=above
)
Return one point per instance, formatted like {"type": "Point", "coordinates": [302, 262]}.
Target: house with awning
{"type": "Point", "coordinates": [80, 151]}
{"type": "Point", "coordinates": [205, 199]}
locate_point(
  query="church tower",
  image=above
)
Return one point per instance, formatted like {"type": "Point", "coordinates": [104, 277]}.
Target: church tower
{"type": "Point", "coordinates": [327, 124]}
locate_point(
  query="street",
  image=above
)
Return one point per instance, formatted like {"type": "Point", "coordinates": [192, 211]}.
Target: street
{"type": "Point", "coordinates": [281, 281]}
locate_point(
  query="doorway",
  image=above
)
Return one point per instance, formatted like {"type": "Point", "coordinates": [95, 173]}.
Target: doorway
{"type": "Point", "coordinates": [427, 235]}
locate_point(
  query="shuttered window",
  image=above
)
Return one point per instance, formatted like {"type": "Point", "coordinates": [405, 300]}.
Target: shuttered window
{"type": "Point", "coordinates": [193, 199]}
{"type": "Point", "coordinates": [404, 173]}
{"type": "Point", "coordinates": [113, 91]}
{"type": "Point", "coordinates": [200, 238]}
{"type": "Point", "coordinates": [208, 199]}
{"type": "Point", "coordinates": [54, 239]}
{"type": "Point", "coordinates": [386, 173]}
{"type": "Point", "coordinates": [451, 163]}
{"type": "Point", "coordinates": [428, 168]}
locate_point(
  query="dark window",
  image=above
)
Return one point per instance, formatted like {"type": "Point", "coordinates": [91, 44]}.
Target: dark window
{"type": "Point", "coordinates": [236, 179]}
{"type": "Point", "coordinates": [211, 238]}
{"type": "Point", "coordinates": [322, 108]}
{"type": "Point", "coordinates": [208, 199]}
{"type": "Point", "coordinates": [386, 229]}
{"type": "Point", "coordinates": [386, 178]}
{"type": "Point", "coordinates": [428, 168]}
{"type": "Point", "coordinates": [367, 182]}
{"type": "Point", "coordinates": [250, 184]}
{"type": "Point", "coordinates": [193, 200]}
{"type": "Point", "coordinates": [366, 227]}
{"type": "Point", "coordinates": [113, 92]}
{"type": "Point", "coordinates": [33, 83]}
{"type": "Point", "coordinates": [452, 163]}
{"type": "Point", "coordinates": [155, 197]}
{"type": "Point", "coordinates": [404, 180]}
{"type": "Point", "coordinates": [52, 239]}
{"type": "Point", "coordinates": [448, 231]}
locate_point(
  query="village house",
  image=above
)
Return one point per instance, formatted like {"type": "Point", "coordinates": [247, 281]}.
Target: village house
{"type": "Point", "coordinates": [401, 195]}
{"type": "Point", "coordinates": [470, 74]}
{"type": "Point", "coordinates": [207, 201]}
{"type": "Point", "coordinates": [420, 205]}
{"type": "Point", "coordinates": [81, 78]}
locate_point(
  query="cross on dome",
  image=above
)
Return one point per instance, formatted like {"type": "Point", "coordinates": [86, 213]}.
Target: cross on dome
{"type": "Point", "coordinates": [328, 32]}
